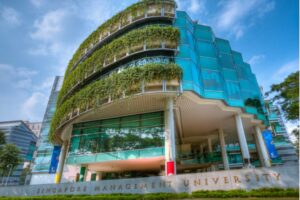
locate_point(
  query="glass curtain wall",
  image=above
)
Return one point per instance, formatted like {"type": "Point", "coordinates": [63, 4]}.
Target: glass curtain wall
{"type": "Point", "coordinates": [118, 134]}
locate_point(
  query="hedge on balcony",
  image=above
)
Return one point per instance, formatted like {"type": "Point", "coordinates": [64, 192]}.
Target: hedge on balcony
{"type": "Point", "coordinates": [114, 86]}
{"type": "Point", "coordinates": [121, 18]}
{"type": "Point", "coordinates": [119, 47]}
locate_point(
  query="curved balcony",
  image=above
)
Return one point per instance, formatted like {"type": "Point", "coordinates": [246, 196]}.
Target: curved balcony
{"type": "Point", "coordinates": [119, 58]}
{"type": "Point", "coordinates": [136, 15]}
{"type": "Point", "coordinates": [155, 86]}
{"type": "Point", "coordinates": [139, 41]}
{"type": "Point", "coordinates": [151, 78]}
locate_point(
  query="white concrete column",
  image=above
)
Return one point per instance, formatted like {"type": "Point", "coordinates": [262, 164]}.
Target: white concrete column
{"type": "Point", "coordinates": [170, 146]}
{"type": "Point", "coordinates": [201, 148]}
{"type": "Point", "coordinates": [223, 149]}
{"type": "Point", "coordinates": [99, 176]}
{"type": "Point", "coordinates": [262, 148]}
{"type": "Point", "coordinates": [210, 150]}
{"type": "Point", "coordinates": [242, 140]}
{"type": "Point", "coordinates": [209, 145]}
{"type": "Point", "coordinates": [61, 162]}
{"type": "Point", "coordinates": [258, 149]}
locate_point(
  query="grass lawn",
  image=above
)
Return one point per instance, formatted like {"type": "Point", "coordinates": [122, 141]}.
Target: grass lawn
{"type": "Point", "coordinates": [259, 194]}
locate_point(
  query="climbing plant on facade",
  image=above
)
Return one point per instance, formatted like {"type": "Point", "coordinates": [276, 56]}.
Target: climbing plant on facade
{"type": "Point", "coordinates": [107, 53]}
{"type": "Point", "coordinates": [114, 86]}
{"type": "Point", "coordinates": [121, 19]}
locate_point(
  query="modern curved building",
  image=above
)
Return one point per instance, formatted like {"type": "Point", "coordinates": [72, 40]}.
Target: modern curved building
{"type": "Point", "coordinates": [150, 93]}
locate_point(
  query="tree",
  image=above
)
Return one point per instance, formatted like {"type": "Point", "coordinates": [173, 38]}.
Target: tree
{"type": "Point", "coordinates": [296, 133]}
{"type": "Point", "coordinates": [254, 103]}
{"type": "Point", "coordinates": [287, 96]}
{"type": "Point", "coordinates": [2, 138]}
{"type": "Point", "coordinates": [24, 174]}
{"type": "Point", "coordinates": [9, 158]}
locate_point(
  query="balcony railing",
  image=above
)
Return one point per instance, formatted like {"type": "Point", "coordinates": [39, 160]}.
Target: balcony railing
{"type": "Point", "coordinates": [205, 158]}
{"type": "Point", "coordinates": [117, 155]}
{"type": "Point", "coordinates": [279, 129]}
{"type": "Point", "coordinates": [118, 57]}
{"type": "Point", "coordinates": [254, 111]}
{"type": "Point", "coordinates": [155, 10]}
{"type": "Point", "coordinates": [251, 110]}
{"type": "Point", "coordinates": [273, 117]}
{"type": "Point", "coordinates": [229, 148]}
{"type": "Point", "coordinates": [277, 161]}
{"type": "Point", "coordinates": [145, 87]}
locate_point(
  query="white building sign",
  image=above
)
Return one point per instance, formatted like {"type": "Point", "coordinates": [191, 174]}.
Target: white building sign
{"type": "Point", "coordinates": [283, 177]}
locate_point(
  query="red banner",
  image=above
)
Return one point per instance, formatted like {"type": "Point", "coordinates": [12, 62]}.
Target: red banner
{"type": "Point", "coordinates": [170, 168]}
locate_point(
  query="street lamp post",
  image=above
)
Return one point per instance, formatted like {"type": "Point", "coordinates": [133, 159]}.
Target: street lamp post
{"type": "Point", "coordinates": [8, 173]}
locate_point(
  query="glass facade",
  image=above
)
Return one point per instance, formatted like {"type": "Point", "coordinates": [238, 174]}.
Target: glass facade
{"type": "Point", "coordinates": [18, 133]}
{"type": "Point", "coordinates": [211, 68]}
{"type": "Point", "coordinates": [118, 134]}
{"type": "Point", "coordinates": [281, 139]}
{"type": "Point", "coordinates": [45, 148]}
{"type": "Point", "coordinates": [141, 62]}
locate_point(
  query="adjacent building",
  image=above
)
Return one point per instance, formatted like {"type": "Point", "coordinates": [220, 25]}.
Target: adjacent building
{"type": "Point", "coordinates": [152, 92]}
{"type": "Point", "coordinates": [19, 134]}
{"type": "Point", "coordinates": [281, 138]}
{"type": "Point", "coordinates": [41, 168]}
{"type": "Point", "coordinates": [35, 127]}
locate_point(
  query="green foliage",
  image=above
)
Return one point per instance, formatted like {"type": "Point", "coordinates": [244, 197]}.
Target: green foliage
{"type": "Point", "coordinates": [26, 171]}
{"type": "Point", "coordinates": [230, 194]}
{"type": "Point", "coordinates": [287, 95]}
{"type": "Point", "coordinates": [295, 132]}
{"type": "Point", "coordinates": [114, 86]}
{"type": "Point", "coordinates": [9, 158]}
{"type": "Point", "coordinates": [262, 192]}
{"type": "Point", "coordinates": [254, 103]}
{"type": "Point", "coordinates": [118, 48]}
{"type": "Point", "coordinates": [122, 18]}
{"type": "Point", "coordinates": [2, 138]}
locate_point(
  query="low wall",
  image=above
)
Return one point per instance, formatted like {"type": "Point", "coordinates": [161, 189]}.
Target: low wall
{"type": "Point", "coordinates": [283, 177]}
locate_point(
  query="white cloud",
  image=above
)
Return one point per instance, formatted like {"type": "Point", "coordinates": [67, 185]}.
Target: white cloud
{"type": "Point", "coordinates": [31, 108]}
{"type": "Point", "coordinates": [24, 83]}
{"type": "Point", "coordinates": [47, 48]}
{"type": "Point", "coordinates": [37, 3]}
{"type": "Point", "coordinates": [291, 126]}
{"type": "Point", "coordinates": [53, 29]}
{"type": "Point", "coordinates": [18, 77]}
{"type": "Point", "coordinates": [51, 25]}
{"type": "Point", "coordinates": [46, 84]}
{"type": "Point", "coordinates": [267, 8]}
{"type": "Point", "coordinates": [256, 59]}
{"type": "Point", "coordinates": [10, 16]}
{"type": "Point", "coordinates": [50, 32]}
{"type": "Point", "coordinates": [23, 96]}
{"type": "Point", "coordinates": [197, 6]}
{"type": "Point", "coordinates": [41, 50]}
{"type": "Point", "coordinates": [285, 70]}
{"type": "Point", "coordinates": [193, 6]}
{"type": "Point", "coordinates": [96, 13]}
{"type": "Point", "coordinates": [236, 15]}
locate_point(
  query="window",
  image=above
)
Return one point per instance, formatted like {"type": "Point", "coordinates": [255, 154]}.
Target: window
{"type": "Point", "coordinates": [118, 134]}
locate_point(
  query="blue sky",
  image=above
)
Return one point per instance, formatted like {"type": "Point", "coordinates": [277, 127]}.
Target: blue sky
{"type": "Point", "coordinates": [38, 37]}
